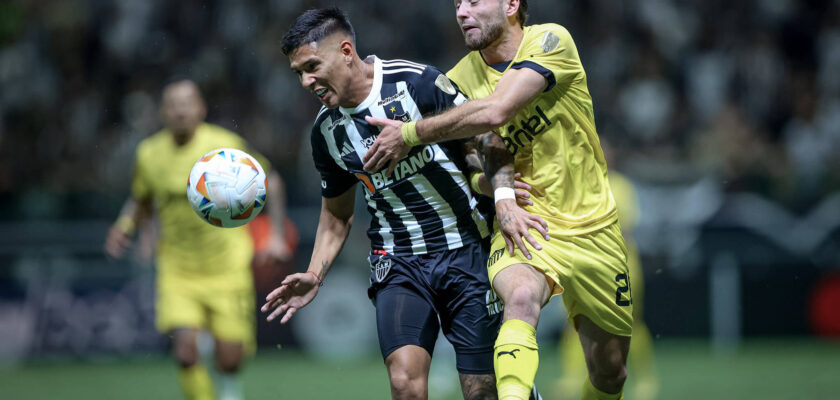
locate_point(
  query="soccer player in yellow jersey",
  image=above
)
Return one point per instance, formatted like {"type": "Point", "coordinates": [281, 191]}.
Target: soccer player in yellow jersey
{"type": "Point", "coordinates": [644, 385]}
{"type": "Point", "coordinates": [530, 89]}
{"type": "Point", "coordinates": [204, 280]}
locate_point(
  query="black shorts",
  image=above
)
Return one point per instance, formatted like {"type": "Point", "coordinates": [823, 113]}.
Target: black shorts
{"type": "Point", "coordinates": [415, 296]}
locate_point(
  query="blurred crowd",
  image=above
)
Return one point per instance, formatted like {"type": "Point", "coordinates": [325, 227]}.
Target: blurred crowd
{"type": "Point", "coordinates": [747, 92]}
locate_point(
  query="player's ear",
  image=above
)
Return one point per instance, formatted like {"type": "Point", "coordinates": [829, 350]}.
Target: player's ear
{"type": "Point", "coordinates": [347, 51]}
{"type": "Point", "coordinates": [511, 7]}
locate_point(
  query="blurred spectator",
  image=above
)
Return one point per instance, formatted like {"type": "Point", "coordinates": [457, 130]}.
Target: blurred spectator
{"type": "Point", "coordinates": [79, 92]}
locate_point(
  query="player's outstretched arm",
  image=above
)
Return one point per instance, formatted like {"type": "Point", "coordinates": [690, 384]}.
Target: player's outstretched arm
{"type": "Point", "coordinates": [297, 290]}
{"type": "Point", "coordinates": [132, 215]}
{"type": "Point", "coordinates": [514, 222]}
{"type": "Point", "coordinates": [515, 89]}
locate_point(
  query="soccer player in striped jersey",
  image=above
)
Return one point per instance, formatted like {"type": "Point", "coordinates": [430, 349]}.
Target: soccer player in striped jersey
{"type": "Point", "coordinates": [428, 240]}
{"type": "Point", "coordinates": [530, 88]}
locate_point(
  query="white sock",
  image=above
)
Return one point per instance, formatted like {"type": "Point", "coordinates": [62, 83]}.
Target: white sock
{"type": "Point", "coordinates": [229, 387]}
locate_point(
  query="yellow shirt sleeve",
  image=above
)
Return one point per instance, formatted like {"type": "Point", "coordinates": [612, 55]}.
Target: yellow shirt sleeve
{"type": "Point", "coordinates": [141, 188]}
{"type": "Point", "coordinates": [550, 50]}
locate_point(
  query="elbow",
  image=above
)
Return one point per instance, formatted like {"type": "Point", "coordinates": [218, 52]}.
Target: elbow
{"type": "Point", "coordinates": [497, 113]}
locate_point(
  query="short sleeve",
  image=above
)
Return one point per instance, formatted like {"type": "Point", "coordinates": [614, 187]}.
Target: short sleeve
{"type": "Point", "coordinates": [141, 188]}
{"type": "Point", "coordinates": [334, 180]}
{"type": "Point", "coordinates": [551, 52]}
{"type": "Point", "coordinates": [434, 92]}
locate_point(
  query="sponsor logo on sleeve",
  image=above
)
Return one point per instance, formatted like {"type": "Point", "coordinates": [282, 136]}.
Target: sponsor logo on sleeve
{"type": "Point", "coordinates": [443, 83]}
{"type": "Point", "coordinates": [550, 42]}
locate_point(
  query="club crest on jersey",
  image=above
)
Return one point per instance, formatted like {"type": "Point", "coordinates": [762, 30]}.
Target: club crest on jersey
{"type": "Point", "coordinates": [404, 117]}
{"type": "Point", "coordinates": [381, 268]}
{"type": "Point", "coordinates": [396, 112]}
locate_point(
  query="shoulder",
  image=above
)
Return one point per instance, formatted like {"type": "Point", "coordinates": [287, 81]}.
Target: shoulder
{"type": "Point", "coordinates": [466, 70]}
{"type": "Point", "coordinates": [152, 145]}
{"type": "Point", "coordinates": [545, 38]}
{"type": "Point", "coordinates": [324, 114]}
{"type": "Point", "coordinates": [402, 70]}
{"type": "Point", "coordinates": [216, 131]}
{"type": "Point", "coordinates": [216, 136]}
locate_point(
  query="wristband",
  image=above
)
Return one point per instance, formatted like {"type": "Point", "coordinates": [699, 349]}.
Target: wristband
{"type": "Point", "coordinates": [409, 133]}
{"type": "Point", "coordinates": [125, 224]}
{"type": "Point", "coordinates": [475, 177]}
{"type": "Point", "coordinates": [320, 282]}
{"type": "Point", "coordinates": [503, 193]}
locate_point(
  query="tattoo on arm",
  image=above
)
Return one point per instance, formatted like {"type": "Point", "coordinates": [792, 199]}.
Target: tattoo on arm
{"type": "Point", "coordinates": [498, 163]}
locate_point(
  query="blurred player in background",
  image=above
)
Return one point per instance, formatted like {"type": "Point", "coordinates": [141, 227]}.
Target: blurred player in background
{"type": "Point", "coordinates": [531, 89]}
{"type": "Point", "coordinates": [428, 240]}
{"type": "Point", "coordinates": [204, 279]}
{"type": "Point", "coordinates": [644, 384]}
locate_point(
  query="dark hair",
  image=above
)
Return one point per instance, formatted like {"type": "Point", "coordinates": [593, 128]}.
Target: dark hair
{"type": "Point", "coordinates": [314, 25]}
{"type": "Point", "coordinates": [522, 13]}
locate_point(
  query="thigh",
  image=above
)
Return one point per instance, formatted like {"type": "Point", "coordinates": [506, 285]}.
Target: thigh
{"type": "Point", "coordinates": [404, 317]}
{"type": "Point", "coordinates": [231, 316]}
{"type": "Point", "coordinates": [178, 305]}
{"type": "Point", "coordinates": [597, 284]}
{"type": "Point", "coordinates": [470, 312]}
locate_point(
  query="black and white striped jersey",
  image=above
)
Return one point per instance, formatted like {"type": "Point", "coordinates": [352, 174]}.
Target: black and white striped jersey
{"type": "Point", "coordinates": [426, 204]}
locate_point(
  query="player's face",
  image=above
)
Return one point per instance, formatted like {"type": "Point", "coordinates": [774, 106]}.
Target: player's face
{"type": "Point", "coordinates": [319, 66]}
{"type": "Point", "coordinates": [482, 21]}
{"type": "Point", "coordinates": [182, 108]}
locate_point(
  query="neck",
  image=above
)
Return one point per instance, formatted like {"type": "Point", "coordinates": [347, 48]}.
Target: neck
{"type": "Point", "coordinates": [358, 89]}
{"type": "Point", "coordinates": [505, 47]}
{"type": "Point", "coordinates": [182, 139]}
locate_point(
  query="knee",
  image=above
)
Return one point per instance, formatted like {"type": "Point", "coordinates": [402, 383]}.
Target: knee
{"type": "Point", "coordinates": [185, 355]}
{"type": "Point", "coordinates": [229, 363]}
{"type": "Point", "coordinates": [406, 386]}
{"type": "Point", "coordinates": [523, 300]}
{"type": "Point", "coordinates": [610, 374]}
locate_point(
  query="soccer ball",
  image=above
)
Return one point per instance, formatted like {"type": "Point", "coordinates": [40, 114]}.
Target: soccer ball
{"type": "Point", "coordinates": [226, 188]}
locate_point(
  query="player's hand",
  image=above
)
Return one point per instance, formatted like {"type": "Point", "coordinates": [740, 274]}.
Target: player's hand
{"type": "Point", "coordinates": [294, 293]}
{"type": "Point", "coordinates": [515, 224]}
{"type": "Point", "coordinates": [389, 147]}
{"type": "Point", "coordinates": [520, 188]}
{"type": "Point", "coordinates": [116, 242]}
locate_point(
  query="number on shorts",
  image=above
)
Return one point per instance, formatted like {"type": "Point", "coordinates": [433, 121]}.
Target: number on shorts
{"type": "Point", "coordinates": [622, 289]}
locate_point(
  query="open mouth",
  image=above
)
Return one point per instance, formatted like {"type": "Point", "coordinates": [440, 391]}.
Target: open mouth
{"type": "Point", "coordinates": [321, 92]}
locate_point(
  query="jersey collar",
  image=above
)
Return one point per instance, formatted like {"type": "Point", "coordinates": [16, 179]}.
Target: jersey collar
{"type": "Point", "coordinates": [375, 89]}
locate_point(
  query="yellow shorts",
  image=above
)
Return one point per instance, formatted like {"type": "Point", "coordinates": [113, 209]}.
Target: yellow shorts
{"type": "Point", "coordinates": [590, 270]}
{"type": "Point", "coordinates": [205, 303]}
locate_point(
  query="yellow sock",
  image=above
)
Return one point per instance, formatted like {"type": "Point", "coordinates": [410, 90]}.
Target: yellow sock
{"type": "Point", "coordinates": [516, 359]}
{"type": "Point", "coordinates": [590, 393]}
{"type": "Point", "coordinates": [195, 383]}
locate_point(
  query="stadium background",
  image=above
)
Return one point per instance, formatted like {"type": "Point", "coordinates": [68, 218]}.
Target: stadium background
{"type": "Point", "coordinates": [725, 114]}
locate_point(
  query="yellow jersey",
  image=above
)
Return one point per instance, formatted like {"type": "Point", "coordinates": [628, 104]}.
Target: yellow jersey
{"type": "Point", "coordinates": [189, 246]}
{"type": "Point", "coordinates": [553, 139]}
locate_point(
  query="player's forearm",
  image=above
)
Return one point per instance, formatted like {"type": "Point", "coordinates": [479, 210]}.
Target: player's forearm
{"type": "Point", "coordinates": [467, 120]}
{"type": "Point", "coordinates": [329, 239]}
{"type": "Point", "coordinates": [498, 162]}
{"type": "Point", "coordinates": [276, 200]}
{"type": "Point", "coordinates": [133, 214]}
